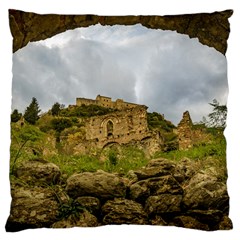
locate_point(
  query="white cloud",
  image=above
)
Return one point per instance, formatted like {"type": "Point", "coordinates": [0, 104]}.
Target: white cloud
{"type": "Point", "coordinates": [166, 71]}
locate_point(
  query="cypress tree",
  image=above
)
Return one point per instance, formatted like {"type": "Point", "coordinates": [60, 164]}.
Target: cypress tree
{"type": "Point", "coordinates": [31, 114]}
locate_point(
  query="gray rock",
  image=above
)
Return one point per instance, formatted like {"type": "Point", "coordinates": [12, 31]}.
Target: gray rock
{"type": "Point", "coordinates": [156, 168]}
{"type": "Point", "coordinates": [184, 170]}
{"type": "Point", "coordinates": [36, 207]}
{"type": "Point", "coordinates": [188, 222]}
{"type": "Point", "coordinates": [210, 217]}
{"type": "Point", "coordinates": [85, 219]}
{"type": "Point", "coordinates": [164, 203]}
{"type": "Point", "coordinates": [141, 190]}
{"type": "Point", "coordinates": [99, 184]}
{"type": "Point", "coordinates": [91, 204]}
{"type": "Point", "coordinates": [38, 170]}
{"type": "Point", "coordinates": [225, 224]}
{"type": "Point", "coordinates": [205, 192]}
{"type": "Point", "coordinates": [123, 211]}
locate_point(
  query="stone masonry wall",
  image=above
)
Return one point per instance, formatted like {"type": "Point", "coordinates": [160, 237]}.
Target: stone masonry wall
{"type": "Point", "coordinates": [185, 132]}
{"type": "Point", "coordinates": [121, 126]}
{"type": "Point", "coordinates": [106, 102]}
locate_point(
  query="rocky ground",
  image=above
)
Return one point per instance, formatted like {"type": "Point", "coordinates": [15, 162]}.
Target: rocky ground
{"type": "Point", "coordinates": [162, 193]}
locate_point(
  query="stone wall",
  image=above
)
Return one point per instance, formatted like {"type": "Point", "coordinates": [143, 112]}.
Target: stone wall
{"type": "Point", "coordinates": [190, 135]}
{"type": "Point", "coordinates": [106, 102]}
{"type": "Point", "coordinates": [185, 132]}
{"type": "Point", "coordinates": [121, 126]}
{"type": "Point", "coordinates": [161, 193]}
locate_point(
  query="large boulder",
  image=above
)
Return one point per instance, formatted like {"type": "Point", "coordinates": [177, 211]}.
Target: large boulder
{"type": "Point", "coordinates": [91, 204]}
{"type": "Point", "coordinates": [206, 192]}
{"type": "Point", "coordinates": [83, 219]}
{"type": "Point", "coordinates": [38, 170]}
{"type": "Point", "coordinates": [32, 208]}
{"type": "Point", "coordinates": [155, 168]}
{"type": "Point", "coordinates": [184, 170]}
{"type": "Point", "coordinates": [188, 222]}
{"type": "Point", "coordinates": [164, 203]}
{"type": "Point", "coordinates": [141, 190]}
{"type": "Point", "coordinates": [100, 184]}
{"type": "Point", "coordinates": [123, 211]}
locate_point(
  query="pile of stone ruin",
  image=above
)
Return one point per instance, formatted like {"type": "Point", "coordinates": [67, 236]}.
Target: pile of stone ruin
{"type": "Point", "coordinates": [162, 193]}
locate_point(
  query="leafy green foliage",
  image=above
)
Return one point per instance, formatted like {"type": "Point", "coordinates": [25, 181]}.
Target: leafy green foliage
{"type": "Point", "coordinates": [112, 157]}
{"type": "Point", "coordinates": [72, 208]}
{"type": "Point", "coordinates": [156, 120]}
{"type": "Point", "coordinates": [85, 111]}
{"type": "Point", "coordinates": [22, 138]}
{"type": "Point", "coordinates": [56, 108]}
{"type": "Point", "coordinates": [59, 124]}
{"type": "Point", "coordinates": [31, 114]}
{"type": "Point", "coordinates": [218, 116]}
{"type": "Point", "coordinates": [15, 116]}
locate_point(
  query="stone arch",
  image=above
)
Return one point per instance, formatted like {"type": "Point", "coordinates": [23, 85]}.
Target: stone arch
{"type": "Point", "coordinates": [211, 29]}
{"type": "Point", "coordinates": [109, 144]}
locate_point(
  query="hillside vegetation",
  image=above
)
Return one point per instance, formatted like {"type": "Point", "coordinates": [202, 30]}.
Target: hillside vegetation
{"type": "Point", "coordinates": [51, 137]}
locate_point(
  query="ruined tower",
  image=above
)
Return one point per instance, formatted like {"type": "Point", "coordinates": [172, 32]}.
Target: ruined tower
{"type": "Point", "coordinates": [185, 132]}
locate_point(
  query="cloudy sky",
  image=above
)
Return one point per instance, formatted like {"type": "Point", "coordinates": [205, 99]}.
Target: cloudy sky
{"type": "Point", "coordinates": [167, 71]}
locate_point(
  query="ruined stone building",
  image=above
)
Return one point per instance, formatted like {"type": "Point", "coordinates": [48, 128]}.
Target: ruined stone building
{"type": "Point", "coordinates": [120, 126]}
{"type": "Point", "coordinates": [105, 102]}
{"type": "Point", "coordinates": [128, 124]}
{"type": "Point", "coordinates": [189, 135]}
{"type": "Point", "coordinates": [185, 132]}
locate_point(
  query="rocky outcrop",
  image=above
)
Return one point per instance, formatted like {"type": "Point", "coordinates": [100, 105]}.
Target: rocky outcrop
{"type": "Point", "coordinates": [206, 192]}
{"type": "Point", "coordinates": [84, 219]}
{"type": "Point", "coordinates": [211, 29]}
{"type": "Point", "coordinates": [38, 170]}
{"type": "Point", "coordinates": [100, 184]}
{"type": "Point", "coordinates": [32, 208]}
{"type": "Point", "coordinates": [162, 193]}
{"type": "Point", "coordinates": [123, 211]}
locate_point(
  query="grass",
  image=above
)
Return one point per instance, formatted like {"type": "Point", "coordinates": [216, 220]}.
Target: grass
{"type": "Point", "coordinates": [130, 159]}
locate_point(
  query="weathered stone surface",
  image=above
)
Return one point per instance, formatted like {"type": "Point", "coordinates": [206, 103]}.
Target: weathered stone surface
{"type": "Point", "coordinates": [92, 204]}
{"type": "Point", "coordinates": [185, 132]}
{"type": "Point", "coordinates": [141, 190]}
{"type": "Point", "coordinates": [211, 29]}
{"type": "Point", "coordinates": [150, 172]}
{"type": "Point", "coordinates": [210, 217]}
{"type": "Point", "coordinates": [164, 203]}
{"type": "Point", "coordinates": [206, 192]}
{"type": "Point", "coordinates": [184, 170]}
{"type": "Point", "coordinates": [99, 184]}
{"type": "Point", "coordinates": [189, 222]}
{"type": "Point", "coordinates": [38, 170]}
{"type": "Point", "coordinates": [157, 220]}
{"type": "Point", "coordinates": [225, 224]}
{"type": "Point", "coordinates": [36, 207]}
{"type": "Point", "coordinates": [123, 211]}
{"type": "Point", "coordinates": [163, 163]}
{"type": "Point", "coordinates": [85, 219]}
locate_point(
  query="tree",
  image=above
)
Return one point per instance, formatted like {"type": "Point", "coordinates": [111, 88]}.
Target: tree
{"type": "Point", "coordinates": [31, 114]}
{"type": "Point", "coordinates": [218, 116]}
{"type": "Point", "coordinates": [56, 109]}
{"type": "Point", "coordinates": [59, 124]}
{"type": "Point", "coordinates": [15, 116]}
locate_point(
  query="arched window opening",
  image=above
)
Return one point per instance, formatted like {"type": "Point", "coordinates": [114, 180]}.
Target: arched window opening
{"type": "Point", "coordinates": [109, 128]}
